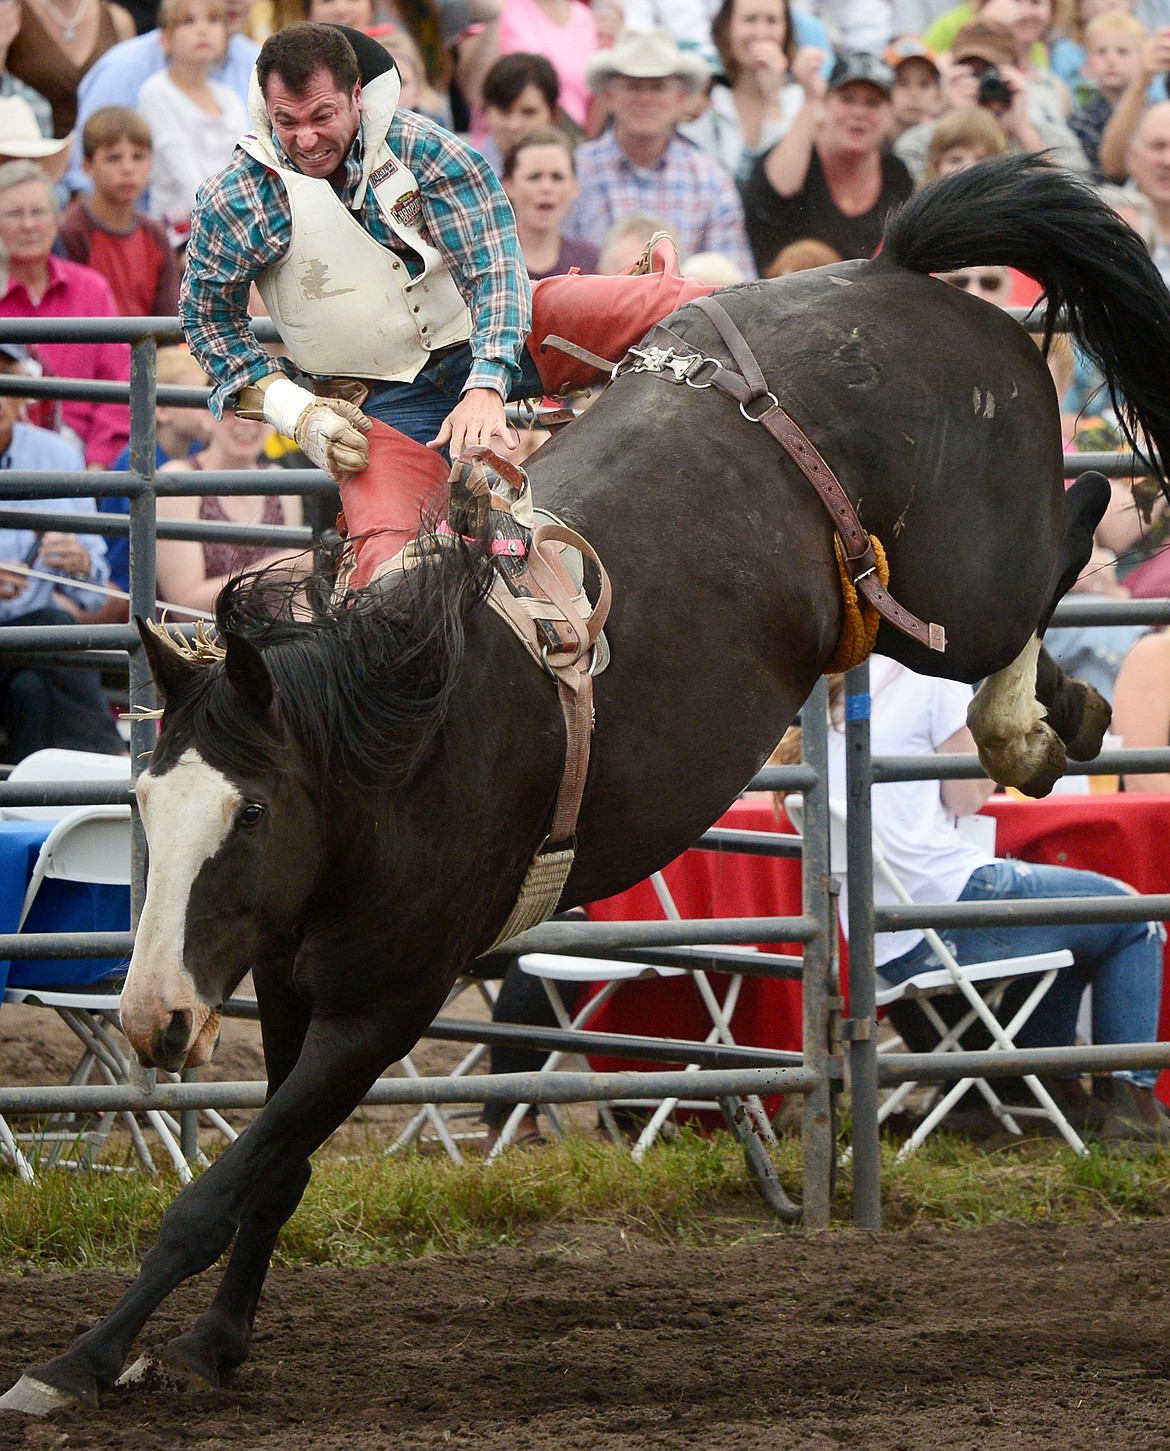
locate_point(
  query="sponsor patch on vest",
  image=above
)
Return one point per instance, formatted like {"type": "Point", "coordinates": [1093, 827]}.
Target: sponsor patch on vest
{"type": "Point", "coordinates": [379, 174]}
{"type": "Point", "coordinates": [407, 210]}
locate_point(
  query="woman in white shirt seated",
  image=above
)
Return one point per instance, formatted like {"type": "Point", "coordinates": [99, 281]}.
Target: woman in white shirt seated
{"type": "Point", "coordinates": [916, 824]}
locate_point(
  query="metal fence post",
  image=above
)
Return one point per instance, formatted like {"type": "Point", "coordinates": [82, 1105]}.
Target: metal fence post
{"type": "Point", "coordinates": [143, 590]}
{"type": "Point", "coordinates": [817, 1139]}
{"type": "Point", "coordinates": [867, 1181]}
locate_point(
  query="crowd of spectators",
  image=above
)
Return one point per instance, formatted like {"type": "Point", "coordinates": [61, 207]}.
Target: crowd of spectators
{"type": "Point", "coordinates": [762, 136]}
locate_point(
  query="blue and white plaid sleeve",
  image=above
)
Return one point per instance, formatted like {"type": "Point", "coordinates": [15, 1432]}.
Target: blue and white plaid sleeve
{"type": "Point", "coordinates": [241, 223]}
{"type": "Point", "coordinates": [470, 222]}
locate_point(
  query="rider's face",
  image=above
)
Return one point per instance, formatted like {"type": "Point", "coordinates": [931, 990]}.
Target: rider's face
{"type": "Point", "coordinates": [316, 127]}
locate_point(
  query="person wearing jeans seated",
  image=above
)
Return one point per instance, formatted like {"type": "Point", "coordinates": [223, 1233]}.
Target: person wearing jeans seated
{"type": "Point", "coordinates": [916, 823]}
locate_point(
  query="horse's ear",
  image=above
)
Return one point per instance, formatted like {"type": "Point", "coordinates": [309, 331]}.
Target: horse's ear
{"type": "Point", "coordinates": [248, 674]}
{"type": "Point", "coordinates": [173, 672]}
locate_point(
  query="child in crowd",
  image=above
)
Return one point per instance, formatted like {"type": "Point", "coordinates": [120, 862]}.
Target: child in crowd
{"type": "Point", "coordinates": [521, 93]}
{"type": "Point", "coordinates": [917, 95]}
{"type": "Point", "coordinates": [1114, 39]}
{"type": "Point", "coordinates": [196, 121]}
{"type": "Point", "coordinates": [962, 138]}
{"type": "Point", "coordinates": [106, 231]}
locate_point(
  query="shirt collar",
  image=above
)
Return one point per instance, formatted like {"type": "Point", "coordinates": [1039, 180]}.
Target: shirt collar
{"type": "Point", "coordinates": [659, 165]}
{"type": "Point", "coordinates": [56, 279]}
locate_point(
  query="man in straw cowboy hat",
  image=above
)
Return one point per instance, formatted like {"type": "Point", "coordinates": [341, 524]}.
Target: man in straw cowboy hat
{"type": "Point", "coordinates": [21, 139]}
{"type": "Point", "coordinates": [641, 164]}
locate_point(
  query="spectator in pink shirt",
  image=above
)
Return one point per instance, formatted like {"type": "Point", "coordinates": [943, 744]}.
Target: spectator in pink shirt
{"type": "Point", "coordinates": [565, 31]}
{"type": "Point", "coordinates": [42, 285]}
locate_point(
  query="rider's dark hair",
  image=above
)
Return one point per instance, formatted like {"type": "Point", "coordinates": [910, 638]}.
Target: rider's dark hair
{"type": "Point", "coordinates": [298, 52]}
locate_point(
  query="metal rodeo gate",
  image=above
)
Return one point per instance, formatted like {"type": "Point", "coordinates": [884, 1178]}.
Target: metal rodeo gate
{"type": "Point", "coordinates": [835, 1050]}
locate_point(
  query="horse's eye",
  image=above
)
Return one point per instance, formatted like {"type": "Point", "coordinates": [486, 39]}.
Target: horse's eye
{"type": "Point", "coordinates": [251, 815]}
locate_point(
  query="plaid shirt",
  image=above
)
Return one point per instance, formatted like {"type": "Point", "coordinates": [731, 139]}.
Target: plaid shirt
{"type": "Point", "coordinates": [243, 222]}
{"type": "Point", "coordinates": [686, 191]}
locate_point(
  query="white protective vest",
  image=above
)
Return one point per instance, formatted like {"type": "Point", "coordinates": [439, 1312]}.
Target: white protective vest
{"type": "Point", "coordinates": [343, 304]}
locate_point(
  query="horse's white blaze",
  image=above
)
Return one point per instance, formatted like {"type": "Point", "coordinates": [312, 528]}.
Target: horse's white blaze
{"type": "Point", "coordinates": [187, 814]}
{"type": "Point", "coordinates": [1016, 747]}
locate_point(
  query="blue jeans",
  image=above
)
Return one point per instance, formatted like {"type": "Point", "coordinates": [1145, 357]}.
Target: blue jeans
{"type": "Point", "coordinates": [418, 409]}
{"type": "Point", "coordinates": [1120, 962]}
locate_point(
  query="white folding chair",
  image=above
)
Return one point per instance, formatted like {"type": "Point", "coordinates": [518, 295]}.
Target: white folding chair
{"type": "Point", "coordinates": [58, 764]}
{"type": "Point", "coordinates": [554, 968]}
{"type": "Point", "coordinates": [88, 844]}
{"type": "Point", "coordinates": [91, 844]}
{"type": "Point", "coordinates": [982, 985]}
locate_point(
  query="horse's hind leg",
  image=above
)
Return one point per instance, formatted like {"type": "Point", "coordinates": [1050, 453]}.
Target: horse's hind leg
{"type": "Point", "coordinates": [1016, 744]}
{"type": "Point", "coordinates": [1028, 720]}
{"type": "Point", "coordinates": [1079, 714]}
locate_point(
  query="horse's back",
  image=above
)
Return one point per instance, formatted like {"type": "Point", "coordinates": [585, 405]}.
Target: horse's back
{"type": "Point", "coordinates": [935, 411]}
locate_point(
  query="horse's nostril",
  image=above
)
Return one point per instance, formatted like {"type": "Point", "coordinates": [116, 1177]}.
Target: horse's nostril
{"type": "Point", "coordinates": [174, 1040]}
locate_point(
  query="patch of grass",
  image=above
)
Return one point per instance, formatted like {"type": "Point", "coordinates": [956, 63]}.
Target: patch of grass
{"type": "Point", "coordinates": [381, 1208]}
{"type": "Point", "coordinates": [951, 1181]}
{"type": "Point", "coordinates": [374, 1208]}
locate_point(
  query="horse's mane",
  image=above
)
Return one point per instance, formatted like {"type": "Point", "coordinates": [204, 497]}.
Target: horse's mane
{"type": "Point", "coordinates": [363, 685]}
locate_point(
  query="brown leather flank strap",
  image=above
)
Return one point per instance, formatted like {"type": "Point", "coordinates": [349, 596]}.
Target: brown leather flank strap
{"type": "Point", "coordinates": [859, 556]}
{"type": "Point", "coordinates": [737, 346]}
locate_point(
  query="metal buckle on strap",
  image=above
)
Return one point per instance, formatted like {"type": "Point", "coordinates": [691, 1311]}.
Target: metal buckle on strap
{"type": "Point", "coordinates": [659, 360]}
{"type": "Point", "coordinates": [772, 400]}
{"type": "Point", "coordinates": [713, 363]}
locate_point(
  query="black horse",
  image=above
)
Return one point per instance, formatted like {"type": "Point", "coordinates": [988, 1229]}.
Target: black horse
{"type": "Point", "coordinates": [347, 806]}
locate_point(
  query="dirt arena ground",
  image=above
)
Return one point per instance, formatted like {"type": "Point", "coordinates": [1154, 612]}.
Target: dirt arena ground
{"type": "Point", "coordinates": [1006, 1338]}
{"type": "Point", "coordinates": [591, 1339]}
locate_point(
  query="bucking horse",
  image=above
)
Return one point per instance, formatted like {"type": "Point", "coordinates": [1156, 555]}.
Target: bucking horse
{"type": "Point", "coordinates": [347, 805]}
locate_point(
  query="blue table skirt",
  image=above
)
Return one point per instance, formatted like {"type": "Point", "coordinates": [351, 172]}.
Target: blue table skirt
{"type": "Point", "coordinates": [59, 907]}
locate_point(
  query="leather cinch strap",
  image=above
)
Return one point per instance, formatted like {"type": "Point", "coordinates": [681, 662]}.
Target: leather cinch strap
{"type": "Point", "coordinates": [748, 387]}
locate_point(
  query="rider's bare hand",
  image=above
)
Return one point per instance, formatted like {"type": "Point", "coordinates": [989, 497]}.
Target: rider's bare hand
{"type": "Point", "coordinates": [478, 418]}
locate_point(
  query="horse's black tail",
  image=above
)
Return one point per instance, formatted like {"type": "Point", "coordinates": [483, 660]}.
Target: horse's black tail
{"type": "Point", "coordinates": [1017, 211]}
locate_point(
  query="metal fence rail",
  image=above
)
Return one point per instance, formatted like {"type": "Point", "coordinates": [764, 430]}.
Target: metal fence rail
{"type": "Point", "coordinates": [687, 942]}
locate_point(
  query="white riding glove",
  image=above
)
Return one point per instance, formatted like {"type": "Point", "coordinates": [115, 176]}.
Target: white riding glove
{"type": "Point", "coordinates": [329, 431]}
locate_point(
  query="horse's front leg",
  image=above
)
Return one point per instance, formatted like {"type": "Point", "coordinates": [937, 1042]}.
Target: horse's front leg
{"type": "Point", "coordinates": [340, 1060]}
{"type": "Point", "coordinates": [220, 1339]}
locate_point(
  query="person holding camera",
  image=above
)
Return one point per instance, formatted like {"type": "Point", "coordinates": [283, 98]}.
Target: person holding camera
{"type": "Point", "coordinates": [985, 68]}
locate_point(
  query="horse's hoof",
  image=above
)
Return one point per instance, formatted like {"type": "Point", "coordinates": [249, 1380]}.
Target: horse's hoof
{"type": "Point", "coordinates": [159, 1373]}
{"type": "Point", "coordinates": [1032, 763]}
{"type": "Point", "coordinates": [34, 1397]}
{"type": "Point", "coordinates": [187, 1357]}
{"type": "Point", "coordinates": [1096, 718]}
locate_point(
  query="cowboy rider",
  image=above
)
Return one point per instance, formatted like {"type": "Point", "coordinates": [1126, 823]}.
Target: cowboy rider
{"type": "Point", "coordinates": [424, 306]}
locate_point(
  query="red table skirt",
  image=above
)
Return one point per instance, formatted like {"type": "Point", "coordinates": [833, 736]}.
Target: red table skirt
{"type": "Point", "coordinates": [1120, 835]}
{"type": "Point", "coordinates": [711, 884]}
